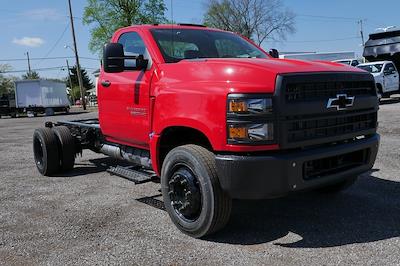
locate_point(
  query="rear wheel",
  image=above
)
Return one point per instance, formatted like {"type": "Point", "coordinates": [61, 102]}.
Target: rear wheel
{"type": "Point", "coordinates": [45, 151]}
{"type": "Point", "coordinates": [191, 191]}
{"type": "Point", "coordinates": [66, 147]}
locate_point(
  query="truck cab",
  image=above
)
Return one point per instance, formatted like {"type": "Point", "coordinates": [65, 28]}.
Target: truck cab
{"type": "Point", "coordinates": [213, 117]}
{"type": "Point", "coordinates": [385, 74]}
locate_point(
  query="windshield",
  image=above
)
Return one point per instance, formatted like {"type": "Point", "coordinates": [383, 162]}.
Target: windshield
{"type": "Point", "coordinates": [372, 68]}
{"type": "Point", "coordinates": [179, 44]}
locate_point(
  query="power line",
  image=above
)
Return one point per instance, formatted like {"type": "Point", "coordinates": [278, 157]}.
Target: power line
{"type": "Point", "coordinates": [44, 69]}
{"type": "Point", "coordinates": [55, 45]}
{"type": "Point", "coordinates": [37, 69]}
{"type": "Point", "coordinates": [47, 58]}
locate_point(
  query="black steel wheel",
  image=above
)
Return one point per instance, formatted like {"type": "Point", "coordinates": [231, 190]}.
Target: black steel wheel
{"type": "Point", "coordinates": [45, 151]}
{"type": "Point", "coordinates": [191, 191]}
{"type": "Point", "coordinates": [184, 192]}
{"type": "Point", "coordinates": [66, 147]}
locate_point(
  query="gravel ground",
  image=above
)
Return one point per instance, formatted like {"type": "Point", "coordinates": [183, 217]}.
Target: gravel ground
{"type": "Point", "coordinates": [90, 217]}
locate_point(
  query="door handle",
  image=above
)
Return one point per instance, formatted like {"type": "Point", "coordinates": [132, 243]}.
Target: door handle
{"type": "Point", "coordinates": [106, 83]}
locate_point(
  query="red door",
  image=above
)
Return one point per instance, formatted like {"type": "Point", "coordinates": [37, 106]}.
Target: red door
{"type": "Point", "coordinates": [124, 99]}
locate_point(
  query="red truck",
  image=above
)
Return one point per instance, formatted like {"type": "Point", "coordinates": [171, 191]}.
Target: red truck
{"type": "Point", "coordinates": [213, 117]}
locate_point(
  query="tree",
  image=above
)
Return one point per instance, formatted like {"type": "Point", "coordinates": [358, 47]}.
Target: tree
{"type": "Point", "coordinates": [254, 19]}
{"type": "Point", "coordinates": [31, 75]}
{"type": "Point", "coordinates": [87, 83]}
{"type": "Point", "coordinates": [6, 83]}
{"type": "Point", "coordinates": [108, 15]}
{"type": "Point", "coordinates": [75, 93]}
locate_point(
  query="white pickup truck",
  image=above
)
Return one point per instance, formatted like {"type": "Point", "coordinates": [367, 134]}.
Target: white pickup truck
{"type": "Point", "coordinates": [351, 62]}
{"type": "Point", "coordinates": [386, 76]}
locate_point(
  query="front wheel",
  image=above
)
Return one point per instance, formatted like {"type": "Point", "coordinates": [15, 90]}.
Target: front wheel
{"type": "Point", "coordinates": [191, 191]}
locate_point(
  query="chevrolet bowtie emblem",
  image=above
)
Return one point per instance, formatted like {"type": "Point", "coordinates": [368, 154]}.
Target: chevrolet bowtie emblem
{"type": "Point", "coordinates": [341, 102]}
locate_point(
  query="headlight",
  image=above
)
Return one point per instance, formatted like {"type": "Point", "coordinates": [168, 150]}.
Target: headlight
{"type": "Point", "coordinates": [250, 119]}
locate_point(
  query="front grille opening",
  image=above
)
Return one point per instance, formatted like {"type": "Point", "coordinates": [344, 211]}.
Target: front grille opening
{"type": "Point", "coordinates": [335, 164]}
{"type": "Point", "coordinates": [321, 90]}
{"type": "Point", "coordinates": [309, 129]}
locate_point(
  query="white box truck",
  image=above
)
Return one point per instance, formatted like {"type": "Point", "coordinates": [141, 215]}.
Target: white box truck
{"type": "Point", "coordinates": [41, 96]}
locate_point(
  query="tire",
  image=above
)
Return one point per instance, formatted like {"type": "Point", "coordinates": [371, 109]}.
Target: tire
{"type": "Point", "coordinates": [338, 187]}
{"type": "Point", "coordinates": [66, 147]}
{"type": "Point", "coordinates": [379, 91]}
{"type": "Point", "coordinates": [45, 151]}
{"type": "Point", "coordinates": [208, 207]}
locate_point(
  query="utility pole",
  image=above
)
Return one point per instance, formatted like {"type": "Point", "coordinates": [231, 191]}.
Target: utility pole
{"type": "Point", "coordinates": [78, 68]}
{"type": "Point", "coordinates": [361, 31]}
{"type": "Point", "coordinates": [70, 81]}
{"type": "Point", "coordinates": [29, 63]}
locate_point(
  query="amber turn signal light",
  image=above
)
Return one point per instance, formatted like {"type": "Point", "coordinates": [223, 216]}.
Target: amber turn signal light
{"type": "Point", "coordinates": [238, 133]}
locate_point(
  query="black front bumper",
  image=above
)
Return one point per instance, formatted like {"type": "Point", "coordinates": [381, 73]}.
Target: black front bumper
{"type": "Point", "coordinates": [277, 174]}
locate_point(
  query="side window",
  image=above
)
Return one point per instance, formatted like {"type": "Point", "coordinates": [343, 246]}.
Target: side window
{"type": "Point", "coordinates": [133, 45]}
{"type": "Point", "coordinates": [389, 68]}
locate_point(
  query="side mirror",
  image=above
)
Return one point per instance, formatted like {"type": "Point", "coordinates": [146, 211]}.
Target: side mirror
{"type": "Point", "coordinates": [114, 59]}
{"type": "Point", "coordinates": [274, 53]}
{"type": "Point", "coordinates": [387, 72]}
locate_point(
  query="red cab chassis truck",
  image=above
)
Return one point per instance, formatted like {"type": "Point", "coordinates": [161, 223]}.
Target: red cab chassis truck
{"type": "Point", "coordinates": [213, 117]}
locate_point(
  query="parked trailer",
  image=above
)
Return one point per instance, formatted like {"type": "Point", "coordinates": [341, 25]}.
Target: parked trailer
{"type": "Point", "coordinates": [41, 96]}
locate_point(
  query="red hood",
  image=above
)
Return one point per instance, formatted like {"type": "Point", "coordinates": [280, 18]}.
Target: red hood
{"type": "Point", "coordinates": [241, 75]}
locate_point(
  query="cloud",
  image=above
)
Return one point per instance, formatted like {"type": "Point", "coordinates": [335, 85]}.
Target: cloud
{"type": "Point", "coordinates": [43, 14]}
{"type": "Point", "coordinates": [29, 41]}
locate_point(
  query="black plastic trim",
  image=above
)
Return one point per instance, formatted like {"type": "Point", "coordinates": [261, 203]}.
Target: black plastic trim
{"type": "Point", "coordinates": [277, 174]}
{"type": "Point", "coordinates": [317, 108]}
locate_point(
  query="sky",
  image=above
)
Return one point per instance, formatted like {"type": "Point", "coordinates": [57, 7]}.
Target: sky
{"type": "Point", "coordinates": [41, 27]}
